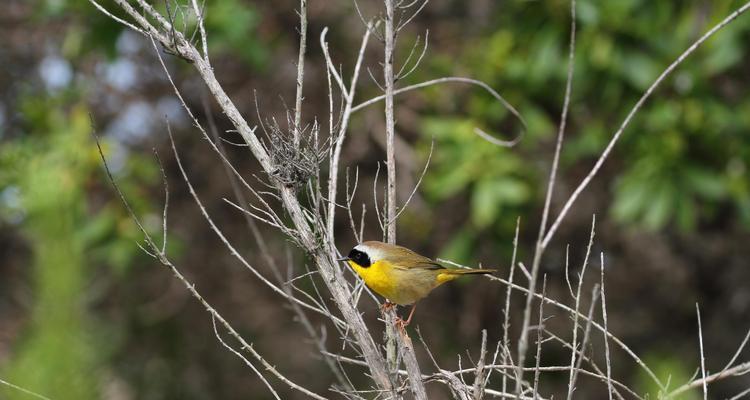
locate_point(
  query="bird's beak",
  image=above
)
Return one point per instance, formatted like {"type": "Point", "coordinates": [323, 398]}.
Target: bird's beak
{"type": "Point", "coordinates": [343, 259]}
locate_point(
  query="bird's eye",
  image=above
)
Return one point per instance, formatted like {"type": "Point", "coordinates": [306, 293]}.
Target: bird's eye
{"type": "Point", "coordinates": [360, 257]}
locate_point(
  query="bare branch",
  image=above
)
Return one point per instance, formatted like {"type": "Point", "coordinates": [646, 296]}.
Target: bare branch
{"type": "Point", "coordinates": [563, 120]}
{"type": "Point", "coordinates": [204, 40]}
{"type": "Point", "coordinates": [703, 358]}
{"type": "Point", "coordinates": [419, 181]}
{"type": "Point", "coordinates": [606, 340]}
{"type": "Point", "coordinates": [738, 370]}
{"type": "Point", "coordinates": [572, 377]}
{"type": "Point", "coordinates": [456, 79]}
{"type": "Point", "coordinates": [506, 312]}
{"type": "Point", "coordinates": [274, 220]}
{"type": "Point", "coordinates": [479, 381]}
{"type": "Point", "coordinates": [166, 203]}
{"type": "Point", "coordinates": [741, 394]}
{"type": "Point", "coordinates": [191, 287]}
{"type": "Point", "coordinates": [525, 271]}
{"type": "Point", "coordinates": [116, 18]}
{"type": "Point", "coordinates": [341, 134]}
{"type": "Point", "coordinates": [300, 70]}
{"type": "Point", "coordinates": [401, 74]}
{"type": "Point", "coordinates": [738, 352]}
{"type": "Point", "coordinates": [539, 331]}
{"type": "Point", "coordinates": [412, 367]}
{"type": "Point", "coordinates": [404, 343]}
{"type": "Point", "coordinates": [362, 18]}
{"type": "Point", "coordinates": [597, 373]}
{"type": "Point", "coordinates": [402, 24]}
{"type": "Point", "coordinates": [569, 310]}
{"type": "Point", "coordinates": [243, 358]}
{"type": "Point", "coordinates": [390, 120]}
{"type": "Point", "coordinates": [497, 142]}
{"type": "Point", "coordinates": [22, 390]}
{"type": "Point", "coordinates": [539, 248]}
{"type": "Point", "coordinates": [584, 342]}
{"type": "Point", "coordinates": [331, 67]}
{"type": "Point", "coordinates": [245, 345]}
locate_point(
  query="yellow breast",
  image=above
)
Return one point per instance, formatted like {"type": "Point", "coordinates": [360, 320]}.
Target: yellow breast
{"type": "Point", "coordinates": [399, 285]}
{"type": "Point", "coordinates": [379, 277]}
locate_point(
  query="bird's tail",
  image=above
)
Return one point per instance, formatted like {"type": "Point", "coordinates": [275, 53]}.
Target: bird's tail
{"type": "Point", "coordinates": [468, 271]}
{"type": "Point", "coordinates": [450, 274]}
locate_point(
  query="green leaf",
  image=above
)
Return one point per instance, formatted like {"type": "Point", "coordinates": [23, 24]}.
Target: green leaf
{"type": "Point", "coordinates": [660, 209]}
{"type": "Point", "coordinates": [706, 183]}
{"type": "Point", "coordinates": [460, 248]}
{"type": "Point", "coordinates": [639, 68]}
{"type": "Point", "coordinates": [489, 197]}
{"type": "Point", "coordinates": [630, 199]}
{"type": "Point", "coordinates": [485, 204]}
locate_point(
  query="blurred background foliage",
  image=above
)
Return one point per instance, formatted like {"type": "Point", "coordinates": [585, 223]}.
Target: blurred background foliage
{"type": "Point", "coordinates": [684, 157]}
{"type": "Point", "coordinates": [85, 314]}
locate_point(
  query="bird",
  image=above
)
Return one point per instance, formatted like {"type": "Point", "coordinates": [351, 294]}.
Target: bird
{"type": "Point", "coordinates": [399, 274]}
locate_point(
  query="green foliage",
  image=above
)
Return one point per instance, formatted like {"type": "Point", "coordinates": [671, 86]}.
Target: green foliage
{"type": "Point", "coordinates": [233, 29]}
{"type": "Point", "coordinates": [492, 175]}
{"type": "Point", "coordinates": [233, 26]}
{"type": "Point", "coordinates": [682, 158]}
{"type": "Point", "coordinates": [58, 356]}
{"type": "Point", "coordinates": [494, 178]}
{"type": "Point", "coordinates": [44, 181]}
{"type": "Point", "coordinates": [668, 368]}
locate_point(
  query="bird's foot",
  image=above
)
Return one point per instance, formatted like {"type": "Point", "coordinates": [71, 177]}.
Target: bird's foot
{"type": "Point", "coordinates": [401, 324]}
{"type": "Point", "coordinates": [387, 306]}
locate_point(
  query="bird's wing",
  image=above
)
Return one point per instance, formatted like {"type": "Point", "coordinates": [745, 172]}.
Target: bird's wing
{"type": "Point", "coordinates": [402, 255]}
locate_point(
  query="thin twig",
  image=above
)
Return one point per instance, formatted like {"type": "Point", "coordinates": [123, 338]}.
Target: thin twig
{"type": "Point", "coordinates": [540, 329]}
{"type": "Point", "coordinates": [190, 286]}
{"type": "Point", "coordinates": [455, 79]}
{"type": "Point", "coordinates": [300, 71]}
{"type": "Point", "coordinates": [606, 339]}
{"type": "Point", "coordinates": [245, 345]}
{"type": "Point", "coordinates": [741, 394]}
{"type": "Point", "coordinates": [305, 232]}
{"type": "Point", "coordinates": [401, 74]}
{"type": "Point", "coordinates": [563, 119]}
{"type": "Point", "coordinates": [569, 310]}
{"type": "Point", "coordinates": [20, 389]}
{"type": "Point", "coordinates": [597, 373]}
{"type": "Point", "coordinates": [201, 28]}
{"type": "Point", "coordinates": [584, 342]}
{"type": "Point", "coordinates": [390, 120]}
{"type": "Point", "coordinates": [275, 219]}
{"type": "Point", "coordinates": [341, 134]}
{"type": "Point", "coordinates": [412, 366]}
{"type": "Point", "coordinates": [539, 248]}
{"type": "Point", "coordinates": [479, 381]}
{"type": "Point", "coordinates": [506, 310]}
{"type": "Point", "coordinates": [738, 370]}
{"type": "Point", "coordinates": [419, 181]}
{"type": "Point", "coordinates": [243, 358]}
{"type": "Point", "coordinates": [702, 356]}
{"type": "Point", "coordinates": [738, 352]}
{"type": "Point", "coordinates": [572, 377]}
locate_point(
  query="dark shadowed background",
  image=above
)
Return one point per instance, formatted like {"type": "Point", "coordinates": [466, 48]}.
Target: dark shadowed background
{"type": "Point", "coordinates": [85, 314]}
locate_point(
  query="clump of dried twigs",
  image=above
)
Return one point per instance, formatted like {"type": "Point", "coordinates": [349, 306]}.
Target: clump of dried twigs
{"type": "Point", "coordinates": [294, 163]}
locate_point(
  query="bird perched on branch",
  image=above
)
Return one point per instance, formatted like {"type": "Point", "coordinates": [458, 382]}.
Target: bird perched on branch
{"type": "Point", "coordinates": [399, 274]}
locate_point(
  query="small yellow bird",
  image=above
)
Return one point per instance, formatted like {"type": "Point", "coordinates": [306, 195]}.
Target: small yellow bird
{"type": "Point", "coordinates": [399, 274]}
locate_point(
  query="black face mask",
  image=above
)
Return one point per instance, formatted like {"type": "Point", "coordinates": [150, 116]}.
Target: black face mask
{"type": "Point", "coordinates": [360, 258]}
